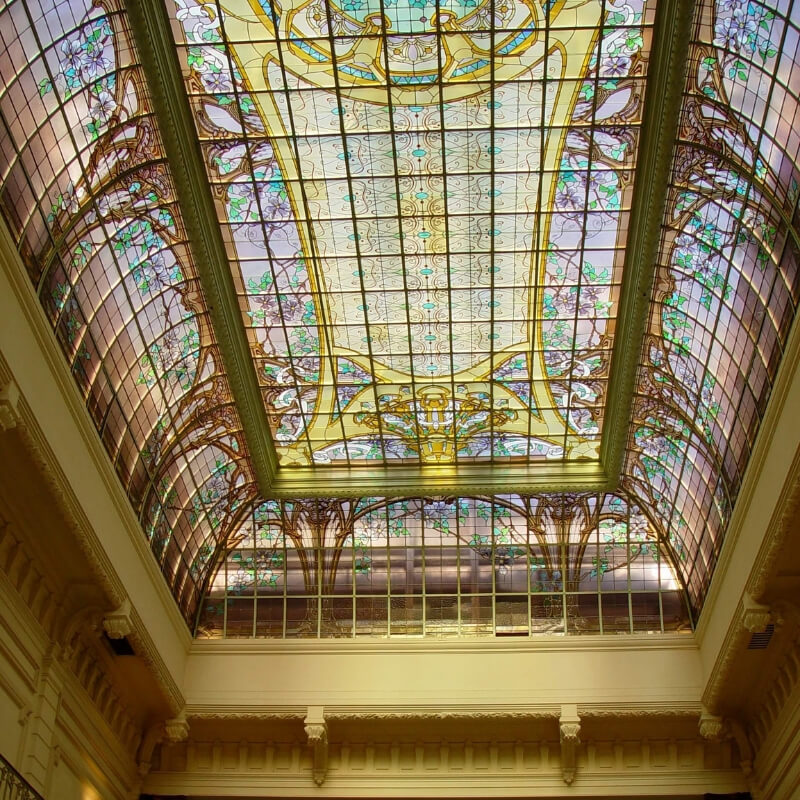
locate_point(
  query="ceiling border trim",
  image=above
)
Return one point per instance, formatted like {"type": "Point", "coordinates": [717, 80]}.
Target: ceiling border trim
{"type": "Point", "coordinates": [437, 480]}
{"type": "Point", "coordinates": [666, 79]}
{"type": "Point", "coordinates": [151, 30]}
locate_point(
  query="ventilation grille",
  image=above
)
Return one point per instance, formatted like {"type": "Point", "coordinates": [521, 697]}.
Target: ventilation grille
{"type": "Point", "coordinates": [759, 641]}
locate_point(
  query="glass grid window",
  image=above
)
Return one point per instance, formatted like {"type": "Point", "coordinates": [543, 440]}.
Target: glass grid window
{"type": "Point", "coordinates": [503, 566]}
{"type": "Point", "coordinates": [426, 209]}
{"type": "Point", "coordinates": [727, 282]}
{"type": "Point", "coordinates": [427, 246]}
{"type": "Point", "coordinates": [88, 199]}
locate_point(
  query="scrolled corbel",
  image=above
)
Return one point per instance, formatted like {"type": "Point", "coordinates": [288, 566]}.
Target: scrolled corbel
{"type": "Point", "coordinates": [317, 733]}
{"type": "Point", "coordinates": [117, 624]}
{"type": "Point", "coordinates": [569, 727]}
{"type": "Point", "coordinates": [711, 726]}
{"type": "Point", "coordinates": [144, 756]}
{"type": "Point", "coordinates": [746, 755]}
{"type": "Point", "coordinates": [714, 728]}
{"type": "Point", "coordinates": [177, 729]}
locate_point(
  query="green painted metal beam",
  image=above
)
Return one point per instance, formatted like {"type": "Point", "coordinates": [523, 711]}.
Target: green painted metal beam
{"type": "Point", "coordinates": [665, 83]}
{"type": "Point", "coordinates": [153, 35]}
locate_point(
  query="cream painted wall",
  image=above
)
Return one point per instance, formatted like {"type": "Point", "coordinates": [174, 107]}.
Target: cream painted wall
{"type": "Point", "coordinates": [654, 670]}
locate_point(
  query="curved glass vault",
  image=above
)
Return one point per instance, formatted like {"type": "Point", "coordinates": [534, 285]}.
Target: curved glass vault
{"type": "Point", "coordinates": [423, 210]}
{"type": "Point", "coordinates": [503, 566]}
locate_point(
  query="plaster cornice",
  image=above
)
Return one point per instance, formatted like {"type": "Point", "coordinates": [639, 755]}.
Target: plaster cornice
{"type": "Point", "coordinates": [784, 518]}
{"type": "Point", "coordinates": [475, 712]}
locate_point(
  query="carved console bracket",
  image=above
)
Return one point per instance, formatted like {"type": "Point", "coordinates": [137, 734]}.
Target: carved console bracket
{"type": "Point", "coordinates": [117, 624]}
{"type": "Point", "coordinates": [9, 406]}
{"type": "Point", "coordinates": [569, 726]}
{"type": "Point", "coordinates": [317, 733]}
{"type": "Point", "coordinates": [144, 756]}
{"type": "Point", "coordinates": [712, 726]}
{"type": "Point", "coordinates": [171, 730]}
{"type": "Point", "coordinates": [755, 616]}
{"type": "Point", "coordinates": [177, 728]}
{"type": "Point", "coordinates": [715, 728]}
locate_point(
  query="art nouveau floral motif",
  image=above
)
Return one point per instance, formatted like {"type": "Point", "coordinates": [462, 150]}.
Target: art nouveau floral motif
{"type": "Point", "coordinates": [431, 218]}
{"type": "Point", "coordinates": [552, 546]}
{"type": "Point", "coordinates": [593, 177]}
{"type": "Point", "coordinates": [709, 363]}
{"type": "Point", "coordinates": [108, 253]}
{"type": "Point", "coordinates": [415, 265]}
{"type": "Point", "coordinates": [252, 190]}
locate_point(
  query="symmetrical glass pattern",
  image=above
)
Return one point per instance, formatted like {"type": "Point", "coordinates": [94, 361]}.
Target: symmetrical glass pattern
{"type": "Point", "coordinates": [427, 207]}
{"type": "Point", "coordinates": [503, 566]}
{"type": "Point", "coordinates": [88, 198]}
{"type": "Point", "coordinates": [727, 285]}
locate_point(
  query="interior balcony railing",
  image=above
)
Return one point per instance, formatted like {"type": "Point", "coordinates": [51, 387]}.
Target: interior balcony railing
{"type": "Point", "coordinates": [13, 786]}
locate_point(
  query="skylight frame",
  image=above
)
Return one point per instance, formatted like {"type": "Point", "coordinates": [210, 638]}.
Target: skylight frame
{"type": "Point", "coordinates": [665, 70]}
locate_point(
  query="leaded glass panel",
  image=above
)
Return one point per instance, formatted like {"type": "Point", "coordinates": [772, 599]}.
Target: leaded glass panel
{"type": "Point", "coordinates": [427, 209]}
{"type": "Point", "coordinates": [88, 199]}
{"type": "Point", "coordinates": [467, 566]}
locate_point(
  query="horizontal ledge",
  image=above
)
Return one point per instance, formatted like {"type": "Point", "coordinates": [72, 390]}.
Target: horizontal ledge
{"type": "Point", "coordinates": [533, 782]}
{"type": "Point", "coordinates": [467, 711]}
{"type": "Point", "coordinates": [428, 480]}
{"type": "Point", "coordinates": [546, 643]}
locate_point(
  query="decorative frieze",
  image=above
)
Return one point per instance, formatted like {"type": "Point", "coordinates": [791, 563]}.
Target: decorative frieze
{"type": "Point", "coordinates": [511, 767]}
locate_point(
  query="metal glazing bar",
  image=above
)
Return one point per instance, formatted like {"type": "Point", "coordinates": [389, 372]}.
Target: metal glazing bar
{"type": "Point", "coordinates": [663, 97]}
{"type": "Point", "coordinates": [153, 36]}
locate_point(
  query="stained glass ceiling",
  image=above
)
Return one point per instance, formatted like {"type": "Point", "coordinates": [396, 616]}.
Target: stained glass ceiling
{"type": "Point", "coordinates": [408, 249]}
{"type": "Point", "coordinates": [426, 210]}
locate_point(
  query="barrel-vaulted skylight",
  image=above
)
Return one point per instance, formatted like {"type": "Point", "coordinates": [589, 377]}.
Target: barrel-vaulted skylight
{"type": "Point", "coordinates": [353, 240]}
